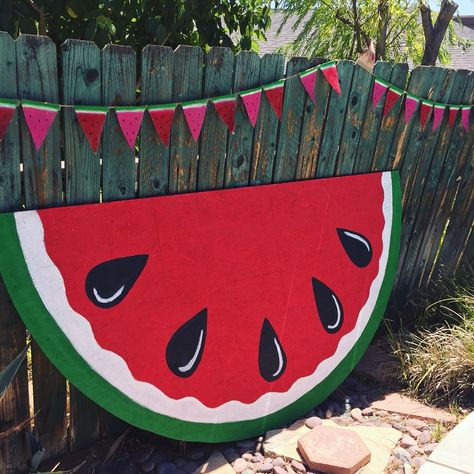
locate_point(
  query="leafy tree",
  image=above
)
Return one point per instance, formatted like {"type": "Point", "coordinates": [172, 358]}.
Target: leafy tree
{"type": "Point", "coordinates": [233, 23]}
{"type": "Point", "coordinates": [343, 29]}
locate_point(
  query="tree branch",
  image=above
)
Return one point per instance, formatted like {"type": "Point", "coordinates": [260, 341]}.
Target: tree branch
{"type": "Point", "coordinates": [41, 16]}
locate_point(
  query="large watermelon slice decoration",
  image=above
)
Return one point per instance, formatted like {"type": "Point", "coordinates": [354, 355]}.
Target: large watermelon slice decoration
{"type": "Point", "coordinates": [208, 316]}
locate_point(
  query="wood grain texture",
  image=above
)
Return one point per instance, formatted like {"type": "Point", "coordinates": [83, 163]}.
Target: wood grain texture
{"type": "Point", "coordinates": [81, 85]}
{"type": "Point", "coordinates": [239, 145]}
{"type": "Point", "coordinates": [187, 85]}
{"type": "Point", "coordinates": [272, 68]}
{"type": "Point", "coordinates": [157, 64]}
{"type": "Point", "coordinates": [218, 75]}
{"type": "Point", "coordinates": [38, 80]}
{"type": "Point", "coordinates": [119, 85]}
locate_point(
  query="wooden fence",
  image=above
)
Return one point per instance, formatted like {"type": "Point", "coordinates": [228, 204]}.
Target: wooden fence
{"type": "Point", "coordinates": [337, 136]}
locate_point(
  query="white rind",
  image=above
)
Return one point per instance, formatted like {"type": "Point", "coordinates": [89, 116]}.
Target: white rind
{"type": "Point", "coordinates": [50, 286]}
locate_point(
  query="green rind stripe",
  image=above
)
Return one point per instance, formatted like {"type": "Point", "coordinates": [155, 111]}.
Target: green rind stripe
{"type": "Point", "coordinates": [95, 109]}
{"type": "Point", "coordinates": [250, 91]}
{"type": "Point", "coordinates": [63, 355]}
{"type": "Point", "coordinates": [194, 103]}
{"type": "Point", "coordinates": [162, 107]}
{"type": "Point", "coordinates": [9, 103]}
{"type": "Point", "coordinates": [274, 85]}
{"type": "Point", "coordinates": [40, 105]}
{"type": "Point", "coordinates": [130, 108]}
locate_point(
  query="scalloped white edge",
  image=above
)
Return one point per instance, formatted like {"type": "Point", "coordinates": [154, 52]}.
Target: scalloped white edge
{"type": "Point", "coordinates": [113, 368]}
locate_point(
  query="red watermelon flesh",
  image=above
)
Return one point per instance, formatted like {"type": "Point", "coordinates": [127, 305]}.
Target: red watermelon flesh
{"type": "Point", "coordinates": [6, 115]}
{"type": "Point", "coordinates": [275, 97]}
{"type": "Point", "coordinates": [226, 110]}
{"type": "Point", "coordinates": [92, 123]}
{"type": "Point", "coordinates": [231, 268]}
{"type": "Point", "coordinates": [162, 118]}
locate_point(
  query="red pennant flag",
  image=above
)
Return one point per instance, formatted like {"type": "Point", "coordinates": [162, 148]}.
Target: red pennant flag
{"type": "Point", "coordinates": [308, 79]}
{"type": "Point", "coordinates": [425, 112]}
{"type": "Point", "coordinates": [92, 121]}
{"type": "Point", "coordinates": [411, 104]}
{"type": "Point", "coordinates": [251, 100]}
{"type": "Point", "coordinates": [380, 87]}
{"type": "Point", "coordinates": [130, 120]}
{"type": "Point", "coordinates": [453, 111]}
{"type": "Point", "coordinates": [195, 113]}
{"type": "Point", "coordinates": [438, 113]}
{"type": "Point", "coordinates": [393, 95]}
{"type": "Point", "coordinates": [7, 109]}
{"type": "Point", "coordinates": [465, 111]}
{"type": "Point", "coordinates": [225, 107]}
{"type": "Point", "coordinates": [274, 94]}
{"type": "Point", "coordinates": [39, 117]}
{"type": "Point", "coordinates": [162, 118]}
{"type": "Point", "coordinates": [330, 73]}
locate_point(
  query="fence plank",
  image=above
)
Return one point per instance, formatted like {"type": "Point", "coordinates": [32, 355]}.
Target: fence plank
{"type": "Point", "coordinates": [81, 85]}
{"type": "Point", "coordinates": [218, 76]}
{"type": "Point", "coordinates": [286, 158]}
{"type": "Point", "coordinates": [157, 87]}
{"type": "Point", "coordinates": [187, 85]}
{"type": "Point", "coordinates": [239, 146]}
{"type": "Point", "coordinates": [272, 68]}
{"type": "Point", "coordinates": [38, 80]}
{"type": "Point", "coordinates": [335, 119]}
{"type": "Point", "coordinates": [119, 86]}
{"type": "Point", "coordinates": [312, 129]}
{"type": "Point", "coordinates": [14, 407]}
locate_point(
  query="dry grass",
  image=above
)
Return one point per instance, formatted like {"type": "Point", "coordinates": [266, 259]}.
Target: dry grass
{"type": "Point", "coordinates": [437, 362]}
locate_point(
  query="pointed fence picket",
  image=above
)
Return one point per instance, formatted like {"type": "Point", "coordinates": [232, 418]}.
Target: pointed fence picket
{"type": "Point", "coordinates": [336, 135]}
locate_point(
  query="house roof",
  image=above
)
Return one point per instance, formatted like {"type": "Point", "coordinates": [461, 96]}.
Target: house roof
{"type": "Point", "coordinates": [460, 58]}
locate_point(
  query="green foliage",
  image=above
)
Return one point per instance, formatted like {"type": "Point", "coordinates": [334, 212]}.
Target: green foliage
{"type": "Point", "coordinates": [140, 22]}
{"type": "Point", "coordinates": [341, 29]}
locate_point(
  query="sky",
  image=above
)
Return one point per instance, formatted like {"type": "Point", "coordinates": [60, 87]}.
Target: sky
{"type": "Point", "coordinates": [466, 7]}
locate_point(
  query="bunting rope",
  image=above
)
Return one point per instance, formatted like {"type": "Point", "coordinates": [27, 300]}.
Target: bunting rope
{"type": "Point", "coordinates": [39, 116]}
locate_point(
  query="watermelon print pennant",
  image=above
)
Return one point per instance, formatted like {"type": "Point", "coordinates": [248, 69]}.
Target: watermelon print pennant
{"type": "Point", "coordinates": [162, 118]}
{"type": "Point", "coordinates": [465, 112]}
{"type": "Point", "coordinates": [308, 79]}
{"type": "Point", "coordinates": [453, 111]}
{"type": "Point", "coordinates": [411, 104]}
{"type": "Point", "coordinates": [425, 112]}
{"type": "Point", "coordinates": [7, 109]}
{"type": "Point", "coordinates": [380, 87]}
{"type": "Point", "coordinates": [330, 73]}
{"type": "Point", "coordinates": [393, 95]}
{"type": "Point", "coordinates": [92, 121]}
{"type": "Point", "coordinates": [39, 117]}
{"type": "Point", "coordinates": [274, 93]}
{"type": "Point", "coordinates": [195, 113]}
{"type": "Point", "coordinates": [130, 120]}
{"type": "Point", "coordinates": [438, 113]}
{"type": "Point", "coordinates": [225, 107]}
{"type": "Point", "coordinates": [251, 100]}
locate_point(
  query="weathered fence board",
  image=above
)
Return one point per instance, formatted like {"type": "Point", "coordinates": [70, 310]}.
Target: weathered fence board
{"type": "Point", "coordinates": [333, 136]}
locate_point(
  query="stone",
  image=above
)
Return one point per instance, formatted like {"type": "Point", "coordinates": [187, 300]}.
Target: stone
{"type": "Point", "coordinates": [416, 424]}
{"type": "Point", "coordinates": [147, 466]}
{"type": "Point", "coordinates": [402, 454]}
{"type": "Point", "coordinates": [158, 458]}
{"type": "Point", "coordinates": [407, 469]}
{"type": "Point", "coordinates": [397, 403]}
{"type": "Point", "coordinates": [247, 456]}
{"type": "Point", "coordinates": [264, 467]}
{"type": "Point", "coordinates": [413, 433]}
{"type": "Point", "coordinates": [430, 447]}
{"type": "Point", "coordinates": [270, 460]}
{"type": "Point", "coordinates": [414, 450]}
{"type": "Point", "coordinates": [239, 465]}
{"type": "Point", "coordinates": [418, 461]}
{"type": "Point", "coordinates": [298, 466]}
{"type": "Point", "coordinates": [217, 464]}
{"type": "Point", "coordinates": [178, 471]}
{"type": "Point", "coordinates": [179, 462]}
{"type": "Point", "coordinates": [195, 454]}
{"type": "Point", "coordinates": [369, 411]}
{"type": "Point", "coordinates": [165, 467]}
{"type": "Point", "coordinates": [341, 420]}
{"type": "Point", "coordinates": [248, 471]}
{"type": "Point", "coordinates": [258, 457]}
{"type": "Point", "coordinates": [398, 426]}
{"type": "Point", "coordinates": [407, 441]}
{"type": "Point", "coordinates": [356, 414]}
{"type": "Point", "coordinates": [313, 421]}
{"type": "Point", "coordinates": [425, 437]}
{"type": "Point", "coordinates": [334, 450]}
{"type": "Point", "coordinates": [382, 413]}
{"type": "Point", "coordinates": [279, 470]}
{"type": "Point", "coordinates": [190, 466]}
{"type": "Point", "coordinates": [278, 461]}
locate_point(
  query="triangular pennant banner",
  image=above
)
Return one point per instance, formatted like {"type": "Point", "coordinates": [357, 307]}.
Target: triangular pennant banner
{"type": "Point", "coordinates": [225, 107]}
{"type": "Point", "coordinates": [39, 117]}
{"type": "Point", "coordinates": [425, 112]}
{"type": "Point", "coordinates": [92, 121]}
{"type": "Point", "coordinates": [465, 112]}
{"type": "Point", "coordinates": [411, 104]}
{"type": "Point", "coordinates": [393, 95]}
{"type": "Point", "coordinates": [130, 120]}
{"type": "Point", "coordinates": [251, 100]}
{"type": "Point", "coordinates": [308, 79]}
{"type": "Point", "coordinates": [379, 90]}
{"type": "Point", "coordinates": [330, 73]}
{"type": "Point", "coordinates": [195, 113]}
{"type": "Point", "coordinates": [162, 118]}
{"type": "Point", "coordinates": [438, 113]}
{"type": "Point", "coordinates": [274, 94]}
{"type": "Point", "coordinates": [7, 109]}
{"type": "Point", "coordinates": [453, 111]}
